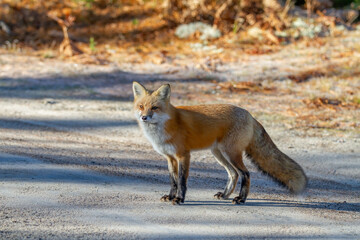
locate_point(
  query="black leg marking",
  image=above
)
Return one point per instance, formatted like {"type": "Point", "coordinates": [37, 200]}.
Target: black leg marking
{"type": "Point", "coordinates": [173, 190]}
{"type": "Point", "coordinates": [181, 190]}
{"type": "Point", "coordinates": [244, 190]}
{"type": "Point", "coordinates": [219, 195]}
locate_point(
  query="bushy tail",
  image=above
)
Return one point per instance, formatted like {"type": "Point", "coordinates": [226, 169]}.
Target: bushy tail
{"type": "Point", "coordinates": [264, 153]}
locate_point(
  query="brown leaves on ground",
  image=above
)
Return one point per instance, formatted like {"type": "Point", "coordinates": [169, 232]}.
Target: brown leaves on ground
{"type": "Point", "coordinates": [323, 102]}
{"type": "Point", "coordinates": [243, 87]}
{"type": "Point", "coordinates": [303, 76]}
{"type": "Point", "coordinates": [110, 23]}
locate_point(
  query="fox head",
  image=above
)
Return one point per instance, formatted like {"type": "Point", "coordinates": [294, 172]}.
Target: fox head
{"type": "Point", "coordinates": [151, 106]}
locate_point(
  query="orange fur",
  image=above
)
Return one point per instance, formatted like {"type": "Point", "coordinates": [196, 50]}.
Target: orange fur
{"type": "Point", "coordinates": [226, 129]}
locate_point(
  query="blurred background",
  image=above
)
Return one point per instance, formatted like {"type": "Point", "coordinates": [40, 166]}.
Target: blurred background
{"type": "Point", "coordinates": [95, 26]}
{"type": "Point", "coordinates": [303, 53]}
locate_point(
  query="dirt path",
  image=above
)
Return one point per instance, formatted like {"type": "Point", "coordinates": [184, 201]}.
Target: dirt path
{"type": "Point", "coordinates": [42, 200]}
{"type": "Point", "coordinates": [73, 164]}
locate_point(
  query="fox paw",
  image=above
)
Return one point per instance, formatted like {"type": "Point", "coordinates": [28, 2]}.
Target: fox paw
{"type": "Point", "coordinates": [177, 201]}
{"type": "Point", "coordinates": [238, 200]}
{"type": "Point", "coordinates": [166, 198]}
{"type": "Point", "coordinates": [219, 195]}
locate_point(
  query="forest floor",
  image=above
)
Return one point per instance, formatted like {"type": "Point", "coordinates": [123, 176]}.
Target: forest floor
{"type": "Point", "coordinates": [74, 163]}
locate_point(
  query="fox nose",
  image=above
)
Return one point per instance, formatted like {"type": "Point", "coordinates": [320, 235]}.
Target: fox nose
{"type": "Point", "coordinates": [144, 118]}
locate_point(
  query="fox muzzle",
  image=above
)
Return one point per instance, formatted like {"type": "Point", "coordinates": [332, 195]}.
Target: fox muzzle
{"type": "Point", "coordinates": [145, 118]}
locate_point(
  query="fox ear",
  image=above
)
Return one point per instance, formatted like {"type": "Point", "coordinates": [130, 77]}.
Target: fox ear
{"type": "Point", "coordinates": [138, 89]}
{"type": "Point", "coordinates": [163, 92]}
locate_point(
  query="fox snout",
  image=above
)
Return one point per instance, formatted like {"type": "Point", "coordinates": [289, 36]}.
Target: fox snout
{"type": "Point", "coordinates": [145, 118]}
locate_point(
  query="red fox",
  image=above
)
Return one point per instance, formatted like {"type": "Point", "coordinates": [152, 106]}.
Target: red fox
{"type": "Point", "coordinates": [226, 129]}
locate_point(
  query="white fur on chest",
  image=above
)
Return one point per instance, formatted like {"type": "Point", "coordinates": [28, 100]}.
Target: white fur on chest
{"type": "Point", "coordinates": [158, 138]}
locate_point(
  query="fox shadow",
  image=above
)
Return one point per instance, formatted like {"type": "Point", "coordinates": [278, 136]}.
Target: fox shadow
{"type": "Point", "coordinates": [274, 203]}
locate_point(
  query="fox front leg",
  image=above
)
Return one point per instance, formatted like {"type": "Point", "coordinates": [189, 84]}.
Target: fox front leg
{"type": "Point", "coordinates": [184, 164]}
{"type": "Point", "coordinates": [173, 170]}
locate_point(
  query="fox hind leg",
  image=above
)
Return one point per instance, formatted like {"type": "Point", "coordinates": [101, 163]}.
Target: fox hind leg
{"type": "Point", "coordinates": [232, 174]}
{"type": "Point", "coordinates": [236, 160]}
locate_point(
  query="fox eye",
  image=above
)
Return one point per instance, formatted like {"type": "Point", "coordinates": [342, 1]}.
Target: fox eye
{"type": "Point", "coordinates": [154, 108]}
{"type": "Point", "coordinates": [141, 107]}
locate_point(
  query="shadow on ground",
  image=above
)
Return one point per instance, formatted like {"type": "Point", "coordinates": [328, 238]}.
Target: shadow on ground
{"type": "Point", "coordinates": [115, 85]}
{"type": "Point", "coordinates": [154, 171]}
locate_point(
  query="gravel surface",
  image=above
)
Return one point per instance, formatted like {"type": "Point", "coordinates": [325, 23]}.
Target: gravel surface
{"type": "Point", "coordinates": [74, 165]}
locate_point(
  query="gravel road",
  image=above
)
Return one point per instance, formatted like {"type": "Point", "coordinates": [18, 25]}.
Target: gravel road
{"type": "Point", "coordinates": [74, 165]}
